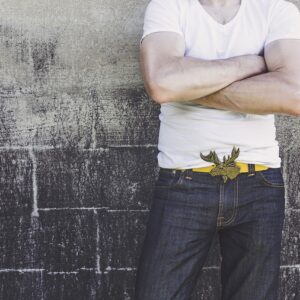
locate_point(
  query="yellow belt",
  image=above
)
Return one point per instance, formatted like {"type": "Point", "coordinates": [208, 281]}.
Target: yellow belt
{"type": "Point", "coordinates": [243, 167]}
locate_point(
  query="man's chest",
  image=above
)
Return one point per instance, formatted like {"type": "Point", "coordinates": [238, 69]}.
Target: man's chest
{"type": "Point", "coordinates": [206, 38]}
{"type": "Point", "coordinates": [222, 15]}
{"type": "Point", "coordinates": [208, 44]}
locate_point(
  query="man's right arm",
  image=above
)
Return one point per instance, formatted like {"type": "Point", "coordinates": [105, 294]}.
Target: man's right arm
{"type": "Point", "coordinates": [169, 76]}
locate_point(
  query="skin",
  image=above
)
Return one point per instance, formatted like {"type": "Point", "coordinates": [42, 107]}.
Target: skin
{"type": "Point", "coordinates": [276, 91]}
{"type": "Point", "coordinates": [268, 84]}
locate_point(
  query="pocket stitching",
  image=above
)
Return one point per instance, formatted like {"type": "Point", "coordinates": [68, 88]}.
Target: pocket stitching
{"type": "Point", "coordinates": [171, 177]}
{"type": "Point", "coordinates": [269, 183]}
{"type": "Point", "coordinates": [174, 180]}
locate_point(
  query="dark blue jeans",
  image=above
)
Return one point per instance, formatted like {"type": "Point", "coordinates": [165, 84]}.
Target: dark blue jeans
{"type": "Point", "coordinates": [188, 209]}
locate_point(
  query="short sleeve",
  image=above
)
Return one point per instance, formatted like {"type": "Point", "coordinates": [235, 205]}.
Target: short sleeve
{"type": "Point", "coordinates": [161, 15]}
{"type": "Point", "coordinates": [284, 22]}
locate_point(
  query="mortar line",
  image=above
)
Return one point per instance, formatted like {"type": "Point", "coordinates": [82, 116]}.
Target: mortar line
{"type": "Point", "coordinates": [296, 266]}
{"type": "Point", "coordinates": [45, 147]}
{"type": "Point", "coordinates": [34, 212]}
{"type": "Point", "coordinates": [97, 242]}
{"type": "Point", "coordinates": [93, 208]}
{"type": "Point", "coordinates": [94, 116]}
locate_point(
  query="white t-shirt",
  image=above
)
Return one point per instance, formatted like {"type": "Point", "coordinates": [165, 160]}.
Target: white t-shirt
{"type": "Point", "coordinates": [186, 129]}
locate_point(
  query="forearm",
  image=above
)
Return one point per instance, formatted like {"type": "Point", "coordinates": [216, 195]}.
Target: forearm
{"type": "Point", "coordinates": [189, 78]}
{"type": "Point", "coordinates": [268, 93]}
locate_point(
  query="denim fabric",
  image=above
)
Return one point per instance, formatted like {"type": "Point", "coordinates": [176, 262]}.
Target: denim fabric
{"type": "Point", "coordinates": [188, 209]}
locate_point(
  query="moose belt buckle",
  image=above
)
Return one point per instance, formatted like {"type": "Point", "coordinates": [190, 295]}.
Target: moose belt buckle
{"type": "Point", "coordinates": [227, 168]}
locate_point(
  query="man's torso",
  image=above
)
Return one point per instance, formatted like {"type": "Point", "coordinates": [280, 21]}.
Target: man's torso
{"type": "Point", "coordinates": [187, 129]}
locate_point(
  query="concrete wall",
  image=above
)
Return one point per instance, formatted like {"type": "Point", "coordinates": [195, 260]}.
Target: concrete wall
{"type": "Point", "coordinates": [78, 146]}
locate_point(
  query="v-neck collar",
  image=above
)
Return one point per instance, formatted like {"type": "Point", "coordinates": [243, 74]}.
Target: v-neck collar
{"type": "Point", "coordinates": [216, 23]}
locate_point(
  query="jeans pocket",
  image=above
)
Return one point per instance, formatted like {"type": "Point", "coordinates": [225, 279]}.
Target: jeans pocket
{"type": "Point", "coordinates": [166, 178]}
{"type": "Point", "coordinates": [272, 177]}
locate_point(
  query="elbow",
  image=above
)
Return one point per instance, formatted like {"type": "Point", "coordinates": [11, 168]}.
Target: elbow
{"type": "Point", "coordinates": [295, 106]}
{"type": "Point", "coordinates": [159, 97]}
{"type": "Point", "coordinates": [290, 96]}
{"type": "Point", "coordinates": [158, 93]}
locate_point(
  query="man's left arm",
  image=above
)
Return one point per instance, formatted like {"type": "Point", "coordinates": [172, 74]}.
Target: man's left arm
{"type": "Point", "coordinates": [274, 92]}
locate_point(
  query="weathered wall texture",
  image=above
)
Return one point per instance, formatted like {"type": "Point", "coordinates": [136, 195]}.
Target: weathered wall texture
{"type": "Point", "coordinates": [78, 146]}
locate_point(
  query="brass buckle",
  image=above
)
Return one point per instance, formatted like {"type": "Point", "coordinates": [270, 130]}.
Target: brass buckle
{"type": "Point", "coordinates": [228, 168]}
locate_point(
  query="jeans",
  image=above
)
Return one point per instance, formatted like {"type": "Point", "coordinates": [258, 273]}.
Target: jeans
{"type": "Point", "coordinates": [188, 209]}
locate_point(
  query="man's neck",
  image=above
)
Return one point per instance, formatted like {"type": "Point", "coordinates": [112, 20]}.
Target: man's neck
{"type": "Point", "coordinates": [220, 2]}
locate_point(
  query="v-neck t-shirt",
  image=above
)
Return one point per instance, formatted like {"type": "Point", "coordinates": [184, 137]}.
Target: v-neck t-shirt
{"type": "Point", "coordinates": [186, 129]}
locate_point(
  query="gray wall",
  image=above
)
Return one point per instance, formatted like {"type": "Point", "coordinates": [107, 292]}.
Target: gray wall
{"type": "Point", "coordinates": [78, 146]}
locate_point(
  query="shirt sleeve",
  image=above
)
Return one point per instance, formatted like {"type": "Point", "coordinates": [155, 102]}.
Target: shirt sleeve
{"type": "Point", "coordinates": [284, 22]}
{"type": "Point", "coordinates": [161, 15]}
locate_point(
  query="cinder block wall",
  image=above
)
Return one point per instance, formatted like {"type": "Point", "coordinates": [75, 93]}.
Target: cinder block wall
{"type": "Point", "coordinates": [78, 147]}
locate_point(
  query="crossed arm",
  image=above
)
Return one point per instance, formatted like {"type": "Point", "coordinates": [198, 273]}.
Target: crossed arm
{"type": "Point", "coordinates": [277, 91]}
{"type": "Point", "coordinates": [247, 83]}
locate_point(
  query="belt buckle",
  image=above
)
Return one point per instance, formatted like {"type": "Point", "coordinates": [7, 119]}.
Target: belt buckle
{"type": "Point", "coordinates": [228, 168]}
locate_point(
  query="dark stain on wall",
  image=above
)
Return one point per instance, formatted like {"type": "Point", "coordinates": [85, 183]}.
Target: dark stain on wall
{"type": "Point", "coordinates": [43, 56]}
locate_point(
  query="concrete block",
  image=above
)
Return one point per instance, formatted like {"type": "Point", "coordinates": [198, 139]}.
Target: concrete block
{"type": "Point", "coordinates": [68, 240]}
{"type": "Point", "coordinates": [116, 178]}
{"type": "Point", "coordinates": [291, 238]}
{"type": "Point", "coordinates": [16, 187]}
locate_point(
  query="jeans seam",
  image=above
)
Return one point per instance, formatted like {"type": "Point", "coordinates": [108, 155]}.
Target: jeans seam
{"type": "Point", "coordinates": [235, 200]}
{"type": "Point", "coordinates": [179, 181]}
{"type": "Point", "coordinates": [219, 217]}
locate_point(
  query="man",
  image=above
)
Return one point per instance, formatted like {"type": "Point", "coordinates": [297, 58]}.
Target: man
{"type": "Point", "coordinates": [220, 69]}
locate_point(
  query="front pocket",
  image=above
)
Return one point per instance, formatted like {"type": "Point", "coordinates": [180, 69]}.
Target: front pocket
{"type": "Point", "coordinates": [166, 178]}
{"type": "Point", "coordinates": [272, 177]}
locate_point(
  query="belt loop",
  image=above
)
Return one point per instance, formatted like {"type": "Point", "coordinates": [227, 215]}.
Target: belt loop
{"type": "Point", "coordinates": [251, 169]}
{"type": "Point", "coordinates": [189, 174]}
